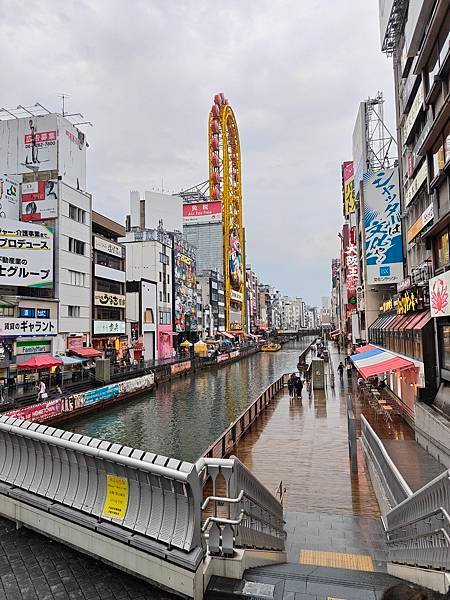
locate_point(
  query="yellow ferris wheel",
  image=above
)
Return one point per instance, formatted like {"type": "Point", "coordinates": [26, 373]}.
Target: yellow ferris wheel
{"type": "Point", "coordinates": [225, 186]}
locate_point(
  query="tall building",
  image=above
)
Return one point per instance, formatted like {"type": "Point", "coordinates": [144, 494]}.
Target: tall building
{"type": "Point", "coordinates": [252, 295]}
{"type": "Point", "coordinates": [213, 297]}
{"type": "Point", "coordinates": [155, 209]}
{"type": "Point", "coordinates": [45, 296]}
{"type": "Point", "coordinates": [109, 334]}
{"type": "Point", "coordinates": [149, 269]}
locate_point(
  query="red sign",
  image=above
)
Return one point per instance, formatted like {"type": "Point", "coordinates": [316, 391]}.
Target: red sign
{"type": "Point", "coordinates": [202, 212]}
{"type": "Point", "coordinates": [38, 412]}
{"type": "Point", "coordinates": [74, 343]}
{"type": "Point", "coordinates": [40, 136]}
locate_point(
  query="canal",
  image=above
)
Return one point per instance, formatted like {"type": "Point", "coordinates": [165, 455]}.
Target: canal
{"type": "Point", "coordinates": [183, 417]}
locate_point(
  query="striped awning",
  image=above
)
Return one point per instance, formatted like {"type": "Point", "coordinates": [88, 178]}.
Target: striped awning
{"type": "Point", "coordinates": [376, 361]}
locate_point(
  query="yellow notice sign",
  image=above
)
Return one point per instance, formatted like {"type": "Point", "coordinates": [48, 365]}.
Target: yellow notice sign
{"type": "Point", "coordinates": [116, 497]}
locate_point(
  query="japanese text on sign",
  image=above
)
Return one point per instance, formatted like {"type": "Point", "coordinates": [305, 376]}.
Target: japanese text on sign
{"type": "Point", "coordinates": [116, 501]}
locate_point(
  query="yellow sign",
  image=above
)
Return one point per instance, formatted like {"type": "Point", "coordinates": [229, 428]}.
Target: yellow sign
{"type": "Point", "coordinates": [349, 197]}
{"type": "Point", "coordinates": [116, 497]}
{"type": "Point", "coordinates": [406, 303]}
{"type": "Point", "coordinates": [387, 305]}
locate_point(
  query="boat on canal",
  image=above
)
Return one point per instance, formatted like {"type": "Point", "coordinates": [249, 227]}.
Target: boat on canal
{"type": "Point", "coordinates": [272, 347]}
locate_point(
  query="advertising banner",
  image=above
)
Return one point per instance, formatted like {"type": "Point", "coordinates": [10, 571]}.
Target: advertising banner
{"type": "Point", "coordinates": [139, 383]}
{"type": "Point", "coordinates": [71, 154]}
{"type": "Point", "coordinates": [223, 357]}
{"type": "Point", "coordinates": [108, 247]}
{"type": "Point", "coordinates": [348, 188]}
{"type": "Point", "coordinates": [383, 229]}
{"type": "Point", "coordinates": [202, 212]}
{"type": "Point", "coordinates": [37, 144]}
{"type": "Point", "coordinates": [9, 198]}
{"type": "Point", "coordinates": [26, 254]}
{"type": "Point", "coordinates": [180, 367]}
{"type": "Point", "coordinates": [109, 327]}
{"type": "Point", "coordinates": [103, 393]}
{"type": "Point", "coordinates": [439, 295]}
{"type": "Point", "coordinates": [134, 332]}
{"type": "Point", "coordinates": [107, 299]}
{"type": "Point", "coordinates": [38, 412]}
{"type": "Point", "coordinates": [185, 286]}
{"type": "Point", "coordinates": [74, 343]}
{"type": "Point", "coordinates": [39, 200]}
{"type": "Point", "coordinates": [425, 218]}
{"type": "Point", "coordinates": [10, 326]}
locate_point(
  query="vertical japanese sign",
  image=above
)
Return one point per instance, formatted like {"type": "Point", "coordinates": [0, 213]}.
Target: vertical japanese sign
{"type": "Point", "coordinates": [348, 188]}
{"type": "Point", "coordinates": [116, 501]}
{"type": "Point", "coordinates": [185, 286]}
{"type": "Point", "coordinates": [382, 225]}
{"type": "Point", "coordinates": [26, 254]}
{"type": "Point", "coordinates": [351, 269]}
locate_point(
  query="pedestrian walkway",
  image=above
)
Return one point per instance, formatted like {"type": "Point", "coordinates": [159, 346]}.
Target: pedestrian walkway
{"type": "Point", "coordinates": [332, 514]}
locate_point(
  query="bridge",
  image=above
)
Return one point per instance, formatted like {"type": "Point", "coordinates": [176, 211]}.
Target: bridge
{"type": "Point", "coordinates": [273, 499]}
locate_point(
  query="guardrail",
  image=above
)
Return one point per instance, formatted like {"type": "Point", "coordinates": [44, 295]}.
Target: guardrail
{"type": "Point", "coordinates": [226, 442]}
{"type": "Point", "coordinates": [148, 501]}
{"type": "Point", "coordinates": [247, 516]}
{"type": "Point", "coordinates": [418, 528]}
{"type": "Point", "coordinates": [393, 483]}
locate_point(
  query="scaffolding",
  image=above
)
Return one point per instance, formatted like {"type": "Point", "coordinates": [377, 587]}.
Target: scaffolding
{"type": "Point", "coordinates": [197, 193]}
{"type": "Point", "coordinates": [394, 26]}
{"type": "Point", "coordinates": [380, 144]}
{"type": "Point", "coordinates": [38, 110]}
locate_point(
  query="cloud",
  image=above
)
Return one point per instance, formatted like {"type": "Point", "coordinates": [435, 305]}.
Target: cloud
{"type": "Point", "coordinates": [145, 74]}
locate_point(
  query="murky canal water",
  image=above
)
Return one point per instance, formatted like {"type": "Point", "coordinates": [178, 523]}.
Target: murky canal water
{"type": "Point", "coordinates": [182, 418]}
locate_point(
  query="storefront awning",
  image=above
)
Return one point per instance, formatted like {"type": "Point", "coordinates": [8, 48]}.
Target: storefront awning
{"type": "Point", "coordinates": [227, 335]}
{"type": "Point", "coordinates": [70, 360]}
{"type": "Point", "coordinates": [424, 320]}
{"type": "Point", "coordinates": [365, 348]}
{"type": "Point", "coordinates": [86, 352]}
{"type": "Point", "coordinates": [40, 361]}
{"type": "Point", "coordinates": [376, 361]}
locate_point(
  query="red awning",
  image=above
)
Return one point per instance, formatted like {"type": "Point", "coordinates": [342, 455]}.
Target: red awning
{"type": "Point", "coordinates": [395, 364]}
{"type": "Point", "coordinates": [426, 318]}
{"type": "Point", "coordinates": [86, 352]}
{"type": "Point", "coordinates": [365, 348]}
{"type": "Point", "coordinates": [412, 318]}
{"type": "Point", "coordinates": [40, 362]}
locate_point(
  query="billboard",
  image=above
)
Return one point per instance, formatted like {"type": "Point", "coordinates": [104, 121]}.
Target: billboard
{"type": "Point", "coordinates": [348, 188]}
{"type": "Point", "coordinates": [71, 154]}
{"type": "Point", "coordinates": [108, 247]}
{"type": "Point", "coordinates": [384, 9]}
{"type": "Point", "coordinates": [13, 326]}
{"type": "Point", "coordinates": [39, 200]}
{"type": "Point", "coordinates": [351, 269]}
{"type": "Point", "coordinates": [109, 327]}
{"type": "Point", "coordinates": [202, 212]}
{"type": "Point", "coordinates": [9, 198]}
{"type": "Point", "coordinates": [110, 300]}
{"type": "Point", "coordinates": [43, 143]}
{"type": "Point", "coordinates": [185, 286]}
{"type": "Point", "coordinates": [382, 227]}
{"type": "Point", "coordinates": [359, 147]}
{"type": "Point", "coordinates": [26, 254]}
{"type": "Point", "coordinates": [439, 295]}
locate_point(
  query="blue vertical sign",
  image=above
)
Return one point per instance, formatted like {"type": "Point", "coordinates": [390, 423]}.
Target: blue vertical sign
{"type": "Point", "coordinates": [383, 227]}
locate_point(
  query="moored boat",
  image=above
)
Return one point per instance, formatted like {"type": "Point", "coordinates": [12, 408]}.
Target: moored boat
{"type": "Point", "coordinates": [271, 347]}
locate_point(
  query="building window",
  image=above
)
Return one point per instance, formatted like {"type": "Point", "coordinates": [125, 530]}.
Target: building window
{"type": "Point", "coordinates": [107, 285]}
{"type": "Point", "coordinates": [77, 214]}
{"type": "Point", "coordinates": [168, 297]}
{"type": "Point", "coordinates": [168, 279]}
{"type": "Point", "coordinates": [163, 258]}
{"type": "Point", "coordinates": [77, 278]}
{"type": "Point", "coordinates": [160, 296]}
{"type": "Point", "coordinates": [76, 246]}
{"type": "Point", "coordinates": [6, 311]}
{"type": "Point", "coordinates": [444, 339]}
{"type": "Point", "coordinates": [148, 315]}
{"type": "Point", "coordinates": [160, 276]}
{"type": "Point", "coordinates": [164, 317]}
{"type": "Point", "coordinates": [442, 249]}
{"type": "Point", "coordinates": [73, 311]}
{"type": "Point", "coordinates": [142, 214]}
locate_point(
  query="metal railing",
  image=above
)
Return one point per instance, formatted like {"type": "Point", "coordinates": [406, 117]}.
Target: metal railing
{"type": "Point", "coordinates": [418, 528]}
{"type": "Point", "coordinates": [226, 442]}
{"type": "Point", "coordinates": [393, 483]}
{"type": "Point", "coordinates": [143, 499]}
{"type": "Point", "coordinates": [247, 515]}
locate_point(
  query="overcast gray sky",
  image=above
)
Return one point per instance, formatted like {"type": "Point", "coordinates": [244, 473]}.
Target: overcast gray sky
{"type": "Point", "coordinates": [145, 72]}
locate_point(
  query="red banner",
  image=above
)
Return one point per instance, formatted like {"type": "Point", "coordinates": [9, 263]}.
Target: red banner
{"type": "Point", "coordinates": [38, 412]}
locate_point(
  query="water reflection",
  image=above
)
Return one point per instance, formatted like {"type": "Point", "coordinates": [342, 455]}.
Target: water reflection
{"type": "Point", "coordinates": [182, 418]}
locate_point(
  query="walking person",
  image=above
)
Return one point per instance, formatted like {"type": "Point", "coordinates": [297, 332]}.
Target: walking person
{"type": "Point", "coordinates": [58, 379]}
{"type": "Point", "coordinates": [341, 370]}
{"type": "Point", "coordinates": [291, 385]}
{"type": "Point", "coordinates": [41, 390]}
{"type": "Point", "coordinates": [299, 386]}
